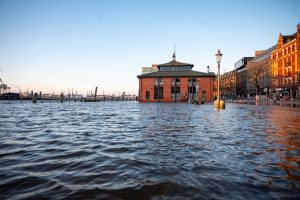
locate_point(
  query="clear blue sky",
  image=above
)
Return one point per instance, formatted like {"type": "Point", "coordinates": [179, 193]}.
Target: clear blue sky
{"type": "Point", "coordinates": [58, 44]}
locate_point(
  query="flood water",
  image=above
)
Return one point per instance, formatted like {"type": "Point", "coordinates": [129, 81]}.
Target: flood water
{"type": "Point", "coordinates": [131, 150]}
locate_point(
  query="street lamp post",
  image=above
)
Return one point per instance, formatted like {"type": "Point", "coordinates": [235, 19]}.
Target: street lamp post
{"type": "Point", "coordinates": [219, 103]}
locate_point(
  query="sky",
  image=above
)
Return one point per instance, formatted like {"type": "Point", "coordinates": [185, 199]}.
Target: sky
{"type": "Point", "coordinates": [60, 45]}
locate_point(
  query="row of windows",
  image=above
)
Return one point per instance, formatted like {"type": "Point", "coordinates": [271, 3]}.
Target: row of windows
{"type": "Point", "coordinates": [177, 68]}
{"type": "Point", "coordinates": [285, 81]}
{"type": "Point", "coordinates": [284, 52]}
{"type": "Point", "coordinates": [175, 96]}
{"type": "Point", "coordinates": [285, 70]}
{"type": "Point", "coordinates": [176, 81]}
{"type": "Point", "coordinates": [175, 90]}
{"type": "Point", "coordinates": [286, 60]}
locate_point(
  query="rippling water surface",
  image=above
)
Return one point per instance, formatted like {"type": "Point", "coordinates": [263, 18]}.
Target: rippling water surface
{"type": "Point", "coordinates": [130, 150]}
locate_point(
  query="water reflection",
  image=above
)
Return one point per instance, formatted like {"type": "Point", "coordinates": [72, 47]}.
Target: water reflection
{"type": "Point", "coordinates": [286, 135]}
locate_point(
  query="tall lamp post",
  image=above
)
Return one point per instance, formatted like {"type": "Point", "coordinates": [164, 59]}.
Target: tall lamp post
{"type": "Point", "coordinates": [219, 103]}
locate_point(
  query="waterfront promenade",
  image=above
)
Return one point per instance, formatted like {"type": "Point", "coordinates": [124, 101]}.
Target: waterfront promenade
{"type": "Point", "coordinates": [292, 103]}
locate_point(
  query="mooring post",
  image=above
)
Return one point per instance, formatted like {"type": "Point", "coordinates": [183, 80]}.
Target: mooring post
{"type": "Point", "coordinates": [41, 96]}
{"type": "Point", "coordinates": [9, 97]}
{"type": "Point", "coordinates": [34, 98]}
{"type": "Point", "coordinates": [62, 97]}
{"type": "Point", "coordinates": [96, 89]}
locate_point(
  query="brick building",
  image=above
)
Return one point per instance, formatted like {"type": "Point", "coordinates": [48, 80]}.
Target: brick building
{"type": "Point", "coordinates": [228, 85]}
{"type": "Point", "coordinates": [285, 66]}
{"type": "Point", "coordinates": [146, 70]}
{"type": "Point", "coordinates": [259, 73]}
{"type": "Point", "coordinates": [176, 82]}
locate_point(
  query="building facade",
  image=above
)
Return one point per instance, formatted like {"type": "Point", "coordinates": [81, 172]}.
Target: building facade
{"type": "Point", "coordinates": [228, 85]}
{"type": "Point", "coordinates": [259, 73]}
{"type": "Point", "coordinates": [242, 77]}
{"type": "Point", "coordinates": [146, 70]}
{"type": "Point", "coordinates": [285, 66]}
{"type": "Point", "coordinates": [176, 82]}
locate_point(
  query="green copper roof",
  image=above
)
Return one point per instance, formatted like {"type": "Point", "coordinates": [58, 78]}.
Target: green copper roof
{"type": "Point", "coordinates": [174, 63]}
{"type": "Point", "coordinates": [176, 74]}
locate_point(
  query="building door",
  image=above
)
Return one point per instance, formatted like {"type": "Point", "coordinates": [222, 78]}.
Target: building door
{"type": "Point", "coordinates": [203, 96]}
{"type": "Point", "coordinates": [147, 95]}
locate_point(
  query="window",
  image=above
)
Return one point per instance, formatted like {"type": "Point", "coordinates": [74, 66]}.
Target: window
{"type": "Point", "coordinates": [193, 88]}
{"type": "Point", "coordinates": [147, 95]}
{"type": "Point", "coordinates": [158, 88]}
{"type": "Point", "coordinates": [175, 89]}
{"type": "Point", "coordinates": [158, 92]}
{"type": "Point", "coordinates": [192, 85]}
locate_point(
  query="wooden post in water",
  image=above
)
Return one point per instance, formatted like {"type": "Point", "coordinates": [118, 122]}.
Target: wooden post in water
{"type": "Point", "coordinates": [62, 97]}
{"type": "Point", "coordinates": [96, 93]}
{"type": "Point", "coordinates": [34, 98]}
{"type": "Point", "coordinates": [41, 96]}
{"type": "Point", "coordinates": [9, 97]}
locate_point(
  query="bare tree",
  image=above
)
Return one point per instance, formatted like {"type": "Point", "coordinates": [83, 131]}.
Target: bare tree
{"type": "Point", "coordinates": [227, 84]}
{"type": "Point", "coordinates": [256, 76]}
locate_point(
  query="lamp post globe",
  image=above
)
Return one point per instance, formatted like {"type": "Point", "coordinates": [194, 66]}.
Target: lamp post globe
{"type": "Point", "coordinates": [219, 103]}
{"type": "Point", "coordinates": [218, 56]}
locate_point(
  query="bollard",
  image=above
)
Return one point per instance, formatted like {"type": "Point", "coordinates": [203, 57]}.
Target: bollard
{"type": "Point", "coordinates": [221, 106]}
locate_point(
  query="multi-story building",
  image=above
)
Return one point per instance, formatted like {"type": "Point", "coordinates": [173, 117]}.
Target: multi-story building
{"type": "Point", "coordinates": [151, 69]}
{"type": "Point", "coordinates": [242, 77]}
{"type": "Point", "coordinates": [285, 66]}
{"type": "Point", "coordinates": [228, 84]}
{"type": "Point", "coordinates": [259, 73]}
{"type": "Point", "coordinates": [176, 82]}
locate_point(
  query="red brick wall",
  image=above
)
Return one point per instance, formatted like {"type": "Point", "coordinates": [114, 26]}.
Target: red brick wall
{"type": "Point", "coordinates": [206, 84]}
{"type": "Point", "coordinates": [184, 88]}
{"type": "Point", "coordinates": [147, 84]}
{"type": "Point", "coordinates": [167, 90]}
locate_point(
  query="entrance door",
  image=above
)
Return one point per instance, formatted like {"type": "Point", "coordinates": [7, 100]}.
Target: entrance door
{"type": "Point", "coordinates": [203, 96]}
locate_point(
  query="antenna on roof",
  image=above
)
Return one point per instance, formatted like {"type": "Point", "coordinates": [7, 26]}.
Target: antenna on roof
{"type": "Point", "coordinates": [174, 52]}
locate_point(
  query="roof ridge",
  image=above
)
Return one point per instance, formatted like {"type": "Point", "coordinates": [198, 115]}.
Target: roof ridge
{"type": "Point", "coordinates": [191, 73]}
{"type": "Point", "coordinates": [175, 63]}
